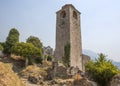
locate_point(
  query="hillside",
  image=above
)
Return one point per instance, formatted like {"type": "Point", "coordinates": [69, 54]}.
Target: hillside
{"type": "Point", "coordinates": [8, 77]}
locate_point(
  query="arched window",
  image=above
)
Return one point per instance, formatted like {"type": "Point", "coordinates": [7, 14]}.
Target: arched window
{"type": "Point", "coordinates": [74, 14]}
{"type": "Point", "coordinates": [63, 14]}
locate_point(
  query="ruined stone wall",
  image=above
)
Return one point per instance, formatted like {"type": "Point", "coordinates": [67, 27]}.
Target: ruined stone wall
{"type": "Point", "coordinates": [85, 59]}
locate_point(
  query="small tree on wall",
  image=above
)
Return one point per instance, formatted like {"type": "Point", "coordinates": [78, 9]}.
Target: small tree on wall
{"type": "Point", "coordinates": [66, 58]}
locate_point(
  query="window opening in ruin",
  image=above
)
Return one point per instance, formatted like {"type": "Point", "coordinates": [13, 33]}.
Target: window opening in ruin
{"type": "Point", "coordinates": [63, 14]}
{"type": "Point", "coordinates": [74, 14]}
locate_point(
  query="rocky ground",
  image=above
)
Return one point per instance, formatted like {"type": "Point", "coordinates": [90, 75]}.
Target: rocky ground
{"type": "Point", "coordinates": [13, 73]}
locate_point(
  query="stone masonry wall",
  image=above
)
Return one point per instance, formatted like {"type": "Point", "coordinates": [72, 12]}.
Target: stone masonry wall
{"type": "Point", "coordinates": [75, 39]}
{"type": "Point", "coordinates": [68, 32]}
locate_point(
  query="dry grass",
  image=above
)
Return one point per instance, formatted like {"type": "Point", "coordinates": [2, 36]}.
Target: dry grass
{"type": "Point", "coordinates": [13, 56]}
{"type": "Point", "coordinates": [33, 70]}
{"type": "Point", "coordinates": [8, 77]}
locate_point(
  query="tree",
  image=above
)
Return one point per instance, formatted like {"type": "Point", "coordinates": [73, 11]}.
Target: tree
{"type": "Point", "coordinates": [66, 58]}
{"type": "Point", "coordinates": [12, 39]}
{"type": "Point", "coordinates": [28, 51]}
{"type": "Point", "coordinates": [1, 47]}
{"type": "Point", "coordinates": [35, 41]}
{"type": "Point", "coordinates": [48, 57]}
{"type": "Point", "coordinates": [101, 70]}
{"type": "Point", "coordinates": [2, 44]}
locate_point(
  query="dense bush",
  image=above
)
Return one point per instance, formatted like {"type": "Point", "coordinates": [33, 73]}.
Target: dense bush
{"type": "Point", "coordinates": [28, 51]}
{"type": "Point", "coordinates": [48, 57]}
{"type": "Point", "coordinates": [101, 70]}
{"type": "Point", "coordinates": [35, 41]}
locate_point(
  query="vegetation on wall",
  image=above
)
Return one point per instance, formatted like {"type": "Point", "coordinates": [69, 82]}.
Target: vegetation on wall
{"type": "Point", "coordinates": [66, 58]}
{"type": "Point", "coordinates": [101, 70]}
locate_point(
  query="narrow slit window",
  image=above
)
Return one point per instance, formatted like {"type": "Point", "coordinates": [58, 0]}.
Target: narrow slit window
{"type": "Point", "coordinates": [63, 14]}
{"type": "Point", "coordinates": [74, 14]}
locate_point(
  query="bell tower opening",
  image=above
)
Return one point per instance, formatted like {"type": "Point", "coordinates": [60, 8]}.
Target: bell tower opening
{"type": "Point", "coordinates": [63, 14]}
{"type": "Point", "coordinates": [74, 15]}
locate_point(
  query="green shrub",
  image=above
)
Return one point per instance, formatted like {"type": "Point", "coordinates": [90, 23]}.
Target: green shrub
{"type": "Point", "coordinates": [66, 58]}
{"type": "Point", "coordinates": [36, 42]}
{"type": "Point", "coordinates": [101, 70]}
{"type": "Point", "coordinates": [1, 47]}
{"type": "Point", "coordinates": [48, 57]}
{"type": "Point", "coordinates": [28, 51]}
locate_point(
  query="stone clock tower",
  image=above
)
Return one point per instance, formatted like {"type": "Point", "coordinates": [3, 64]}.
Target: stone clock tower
{"type": "Point", "coordinates": [68, 31]}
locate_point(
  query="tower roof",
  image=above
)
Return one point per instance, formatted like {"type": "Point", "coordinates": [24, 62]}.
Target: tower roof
{"type": "Point", "coordinates": [68, 5]}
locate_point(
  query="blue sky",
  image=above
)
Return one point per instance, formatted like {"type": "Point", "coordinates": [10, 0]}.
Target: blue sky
{"type": "Point", "coordinates": [100, 22]}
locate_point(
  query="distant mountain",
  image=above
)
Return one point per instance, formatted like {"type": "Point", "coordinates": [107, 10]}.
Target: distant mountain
{"type": "Point", "coordinates": [116, 63]}
{"type": "Point", "coordinates": [90, 53]}
{"type": "Point", "coordinates": [94, 55]}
